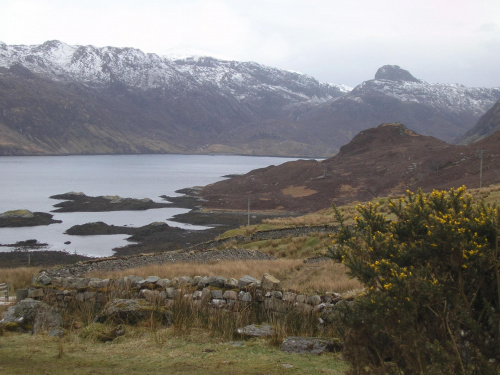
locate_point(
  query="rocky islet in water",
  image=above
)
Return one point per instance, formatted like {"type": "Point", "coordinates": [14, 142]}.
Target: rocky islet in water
{"type": "Point", "coordinates": [79, 202]}
{"type": "Point", "coordinates": [25, 218]}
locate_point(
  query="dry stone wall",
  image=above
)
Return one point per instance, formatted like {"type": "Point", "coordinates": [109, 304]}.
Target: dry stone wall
{"type": "Point", "coordinates": [215, 291]}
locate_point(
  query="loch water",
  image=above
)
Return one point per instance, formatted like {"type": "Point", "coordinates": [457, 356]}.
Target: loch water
{"type": "Point", "coordinates": [27, 182]}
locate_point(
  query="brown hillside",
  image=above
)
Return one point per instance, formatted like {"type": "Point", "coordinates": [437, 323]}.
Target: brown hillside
{"type": "Point", "coordinates": [378, 162]}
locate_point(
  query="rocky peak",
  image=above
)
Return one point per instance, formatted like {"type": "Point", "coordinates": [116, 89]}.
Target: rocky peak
{"type": "Point", "coordinates": [388, 135]}
{"type": "Point", "coordinates": [394, 73]}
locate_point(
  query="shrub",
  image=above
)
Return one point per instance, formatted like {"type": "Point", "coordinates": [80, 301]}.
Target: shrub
{"type": "Point", "coordinates": [432, 298]}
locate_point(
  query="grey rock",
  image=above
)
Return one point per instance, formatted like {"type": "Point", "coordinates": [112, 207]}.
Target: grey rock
{"type": "Point", "coordinates": [134, 280]}
{"type": "Point", "coordinates": [204, 282]}
{"type": "Point", "coordinates": [218, 282]}
{"type": "Point", "coordinates": [95, 283]}
{"type": "Point", "coordinates": [256, 330]}
{"type": "Point", "coordinates": [197, 295]}
{"type": "Point", "coordinates": [269, 282]}
{"type": "Point", "coordinates": [37, 316]}
{"type": "Point", "coordinates": [43, 279]}
{"type": "Point", "coordinates": [35, 292]}
{"type": "Point", "coordinates": [195, 280]}
{"type": "Point", "coordinates": [185, 280]}
{"type": "Point", "coordinates": [289, 296]}
{"type": "Point", "coordinates": [277, 294]}
{"type": "Point", "coordinates": [163, 283]}
{"type": "Point", "coordinates": [246, 281]}
{"type": "Point", "coordinates": [216, 294]}
{"type": "Point", "coordinates": [75, 283]}
{"type": "Point", "coordinates": [171, 292]}
{"type": "Point", "coordinates": [301, 298]}
{"type": "Point", "coordinates": [216, 302]}
{"type": "Point", "coordinates": [244, 296]}
{"type": "Point", "coordinates": [230, 295]}
{"type": "Point", "coordinates": [48, 320]}
{"type": "Point", "coordinates": [231, 284]}
{"type": "Point", "coordinates": [151, 279]}
{"type": "Point", "coordinates": [314, 300]}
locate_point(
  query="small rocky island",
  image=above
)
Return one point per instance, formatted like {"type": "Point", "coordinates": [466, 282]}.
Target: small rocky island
{"type": "Point", "coordinates": [25, 218]}
{"type": "Point", "coordinates": [79, 202]}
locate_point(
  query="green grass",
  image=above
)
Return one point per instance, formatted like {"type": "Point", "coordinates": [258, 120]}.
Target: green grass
{"type": "Point", "coordinates": [142, 352]}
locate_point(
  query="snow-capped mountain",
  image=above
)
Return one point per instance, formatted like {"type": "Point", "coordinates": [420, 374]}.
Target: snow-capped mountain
{"type": "Point", "coordinates": [98, 67]}
{"type": "Point", "coordinates": [57, 98]}
{"type": "Point", "coordinates": [444, 111]}
{"type": "Point", "coordinates": [123, 100]}
{"type": "Point", "coordinates": [399, 84]}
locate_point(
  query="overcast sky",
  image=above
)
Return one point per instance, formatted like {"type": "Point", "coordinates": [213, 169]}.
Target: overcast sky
{"type": "Point", "coordinates": [343, 42]}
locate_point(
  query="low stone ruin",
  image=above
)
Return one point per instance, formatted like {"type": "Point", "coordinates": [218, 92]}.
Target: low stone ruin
{"type": "Point", "coordinates": [133, 298]}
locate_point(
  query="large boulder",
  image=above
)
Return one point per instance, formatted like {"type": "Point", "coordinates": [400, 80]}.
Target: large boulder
{"type": "Point", "coordinates": [34, 316]}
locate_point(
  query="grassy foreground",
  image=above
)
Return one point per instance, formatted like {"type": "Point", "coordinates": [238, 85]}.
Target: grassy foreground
{"type": "Point", "coordinates": [142, 351]}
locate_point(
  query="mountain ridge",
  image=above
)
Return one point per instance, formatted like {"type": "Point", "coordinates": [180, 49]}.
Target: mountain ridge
{"type": "Point", "coordinates": [61, 99]}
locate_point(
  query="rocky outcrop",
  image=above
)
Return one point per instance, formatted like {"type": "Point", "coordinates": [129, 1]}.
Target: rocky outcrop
{"type": "Point", "coordinates": [394, 73]}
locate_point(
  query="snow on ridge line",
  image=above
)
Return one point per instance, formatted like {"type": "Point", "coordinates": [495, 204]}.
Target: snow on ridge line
{"type": "Point", "coordinates": [94, 64]}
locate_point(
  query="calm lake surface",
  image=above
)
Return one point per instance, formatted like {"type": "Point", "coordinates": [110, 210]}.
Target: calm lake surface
{"type": "Point", "coordinates": [27, 182]}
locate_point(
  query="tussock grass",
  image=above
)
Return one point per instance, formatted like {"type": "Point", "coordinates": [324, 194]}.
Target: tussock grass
{"type": "Point", "coordinates": [18, 278]}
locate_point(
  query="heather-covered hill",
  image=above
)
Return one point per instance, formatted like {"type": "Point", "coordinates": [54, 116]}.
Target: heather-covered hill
{"type": "Point", "coordinates": [378, 162]}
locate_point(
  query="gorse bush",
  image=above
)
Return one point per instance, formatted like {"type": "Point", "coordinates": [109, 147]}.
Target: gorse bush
{"type": "Point", "coordinates": [432, 298]}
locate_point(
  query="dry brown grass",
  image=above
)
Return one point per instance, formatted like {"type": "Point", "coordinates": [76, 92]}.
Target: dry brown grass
{"type": "Point", "coordinates": [293, 273]}
{"type": "Point", "coordinates": [321, 277]}
{"type": "Point", "coordinates": [18, 278]}
{"type": "Point", "coordinates": [235, 269]}
{"type": "Point", "coordinates": [298, 191]}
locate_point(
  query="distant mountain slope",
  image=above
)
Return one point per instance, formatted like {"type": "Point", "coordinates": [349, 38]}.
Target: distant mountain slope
{"type": "Point", "coordinates": [62, 99]}
{"type": "Point", "coordinates": [57, 98]}
{"type": "Point", "coordinates": [487, 125]}
{"type": "Point", "coordinates": [377, 162]}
